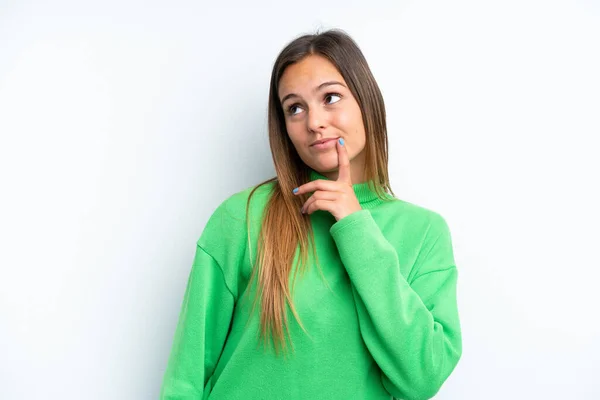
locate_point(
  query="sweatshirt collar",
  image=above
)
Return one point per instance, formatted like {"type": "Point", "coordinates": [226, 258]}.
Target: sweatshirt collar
{"type": "Point", "coordinates": [366, 197]}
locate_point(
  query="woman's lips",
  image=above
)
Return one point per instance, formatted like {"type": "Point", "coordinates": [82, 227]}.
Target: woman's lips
{"type": "Point", "coordinates": [325, 145]}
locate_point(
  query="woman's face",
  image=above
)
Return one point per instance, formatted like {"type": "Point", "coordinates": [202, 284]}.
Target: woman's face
{"type": "Point", "coordinates": [318, 105]}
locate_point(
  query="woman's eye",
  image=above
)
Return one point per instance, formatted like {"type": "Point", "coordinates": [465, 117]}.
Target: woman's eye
{"type": "Point", "coordinates": [291, 109]}
{"type": "Point", "coordinates": [333, 95]}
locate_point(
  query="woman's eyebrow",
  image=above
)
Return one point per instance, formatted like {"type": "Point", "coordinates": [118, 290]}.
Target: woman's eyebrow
{"type": "Point", "coordinates": [321, 86]}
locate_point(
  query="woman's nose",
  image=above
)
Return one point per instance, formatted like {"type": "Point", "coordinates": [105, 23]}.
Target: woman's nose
{"type": "Point", "coordinates": [316, 119]}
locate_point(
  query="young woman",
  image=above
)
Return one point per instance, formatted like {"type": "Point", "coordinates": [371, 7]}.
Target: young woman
{"type": "Point", "coordinates": [319, 283]}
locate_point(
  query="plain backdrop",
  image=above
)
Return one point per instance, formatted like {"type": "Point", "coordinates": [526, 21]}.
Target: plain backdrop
{"type": "Point", "coordinates": [124, 124]}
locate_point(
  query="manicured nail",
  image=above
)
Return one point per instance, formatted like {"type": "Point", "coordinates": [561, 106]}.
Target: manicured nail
{"type": "Point", "coordinates": [295, 190]}
{"type": "Point", "coordinates": [341, 141]}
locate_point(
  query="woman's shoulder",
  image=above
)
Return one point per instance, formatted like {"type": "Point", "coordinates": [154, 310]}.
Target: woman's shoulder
{"type": "Point", "coordinates": [228, 221]}
{"type": "Point", "coordinates": [412, 214]}
{"type": "Point", "coordinates": [235, 204]}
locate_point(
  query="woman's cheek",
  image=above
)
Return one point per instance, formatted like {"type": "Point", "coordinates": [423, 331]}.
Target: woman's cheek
{"type": "Point", "coordinates": [338, 119]}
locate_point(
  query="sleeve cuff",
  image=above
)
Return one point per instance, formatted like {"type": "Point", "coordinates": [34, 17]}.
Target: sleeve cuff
{"type": "Point", "coordinates": [356, 217]}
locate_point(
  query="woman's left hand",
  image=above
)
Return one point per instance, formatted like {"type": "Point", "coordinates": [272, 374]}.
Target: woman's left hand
{"type": "Point", "coordinates": [338, 196]}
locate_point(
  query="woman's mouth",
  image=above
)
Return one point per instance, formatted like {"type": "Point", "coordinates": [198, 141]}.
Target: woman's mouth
{"type": "Point", "coordinates": [327, 144]}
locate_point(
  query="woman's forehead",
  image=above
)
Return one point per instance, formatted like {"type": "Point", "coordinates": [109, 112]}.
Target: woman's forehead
{"type": "Point", "coordinates": [307, 75]}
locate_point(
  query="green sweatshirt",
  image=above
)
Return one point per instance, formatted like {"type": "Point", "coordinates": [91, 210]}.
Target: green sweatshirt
{"type": "Point", "coordinates": [386, 327]}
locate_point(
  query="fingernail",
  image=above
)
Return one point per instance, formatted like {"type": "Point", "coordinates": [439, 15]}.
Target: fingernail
{"type": "Point", "coordinates": [295, 190]}
{"type": "Point", "coordinates": [341, 141]}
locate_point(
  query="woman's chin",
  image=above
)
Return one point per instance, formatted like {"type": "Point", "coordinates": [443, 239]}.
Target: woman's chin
{"type": "Point", "coordinates": [326, 164]}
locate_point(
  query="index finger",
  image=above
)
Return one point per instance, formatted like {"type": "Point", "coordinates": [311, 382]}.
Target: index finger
{"type": "Point", "coordinates": [343, 163]}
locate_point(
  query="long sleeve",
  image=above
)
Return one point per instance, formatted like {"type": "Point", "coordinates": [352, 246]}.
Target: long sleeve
{"type": "Point", "coordinates": [201, 331]}
{"type": "Point", "coordinates": [412, 330]}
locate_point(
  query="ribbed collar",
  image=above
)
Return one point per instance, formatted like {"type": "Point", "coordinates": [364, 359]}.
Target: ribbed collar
{"type": "Point", "coordinates": [367, 198]}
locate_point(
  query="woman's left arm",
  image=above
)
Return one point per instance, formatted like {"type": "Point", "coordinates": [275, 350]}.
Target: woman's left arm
{"type": "Point", "coordinates": [411, 329]}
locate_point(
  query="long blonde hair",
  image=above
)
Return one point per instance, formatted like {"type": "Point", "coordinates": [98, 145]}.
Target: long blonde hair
{"type": "Point", "coordinates": [283, 227]}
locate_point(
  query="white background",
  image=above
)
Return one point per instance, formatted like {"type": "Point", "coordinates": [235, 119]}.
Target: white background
{"type": "Point", "coordinates": [124, 124]}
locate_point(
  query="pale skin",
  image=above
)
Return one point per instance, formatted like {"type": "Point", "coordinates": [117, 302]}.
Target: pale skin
{"type": "Point", "coordinates": [305, 89]}
{"type": "Point", "coordinates": [337, 196]}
